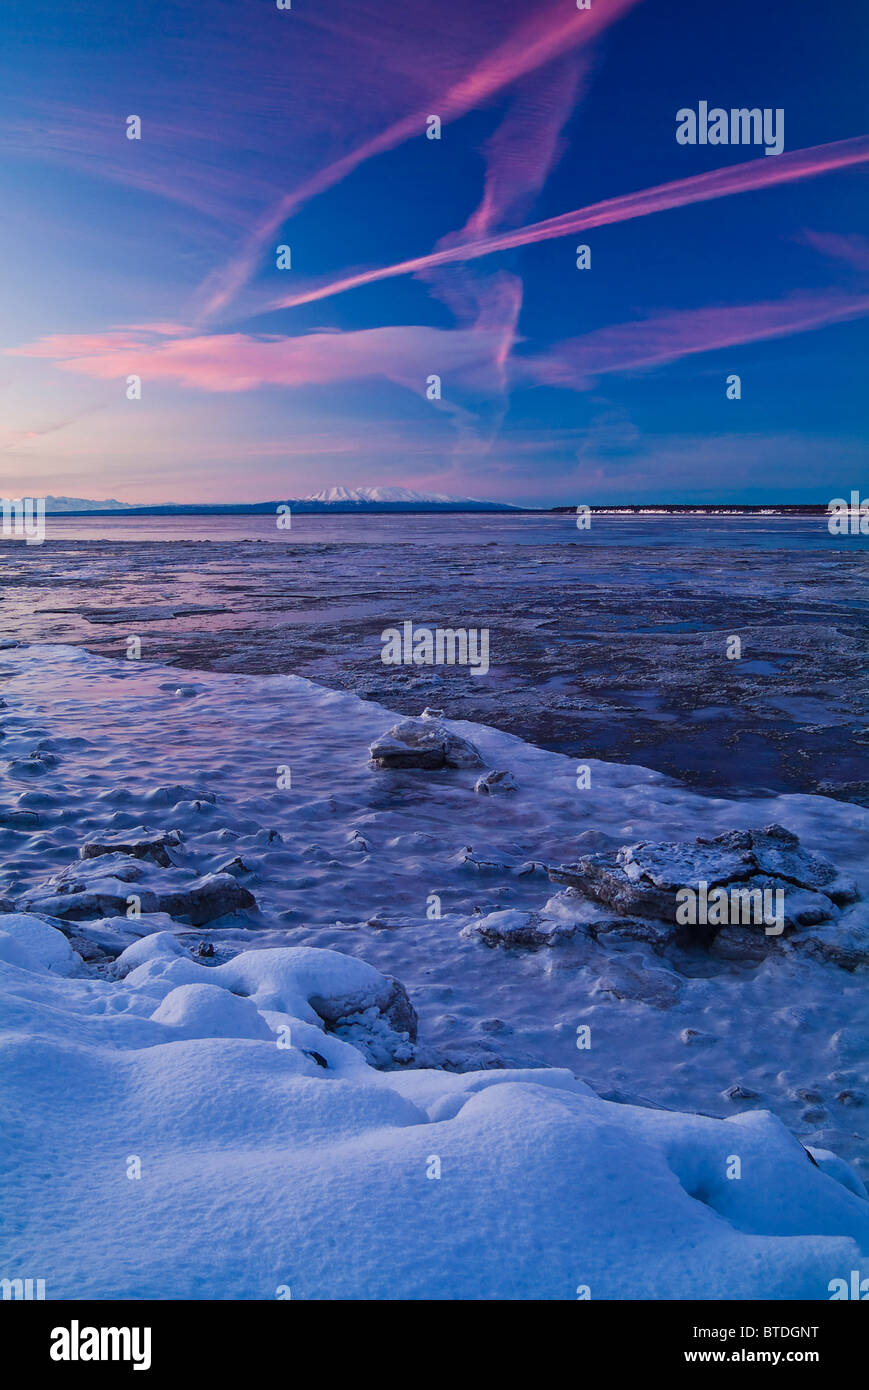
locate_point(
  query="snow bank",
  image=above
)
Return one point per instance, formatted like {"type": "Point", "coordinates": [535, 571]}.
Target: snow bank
{"type": "Point", "coordinates": [196, 1149]}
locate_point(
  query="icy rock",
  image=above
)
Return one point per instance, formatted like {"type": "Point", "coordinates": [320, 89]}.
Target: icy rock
{"type": "Point", "coordinates": [105, 939]}
{"type": "Point", "coordinates": [741, 943]}
{"type": "Point", "coordinates": [102, 887]}
{"type": "Point", "coordinates": [328, 988]}
{"type": "Point", "coordinates": [391, 1002]}
{"type": "Point", "coordinates": [209, 897]}
{"type": "Point", "coordinates": [510, 927]}
{"type": "Point", "coordinates": [145, 845]}
{"type": "Point", "coordinates": [644, 878]}
{"type": "Point", "coordinates": [739, 1092]}
{"type": "Point", "coordinates": [658, 988]}
{"type": "Point", "coordinates": [235, 866]}
{"type": "Point", "coordinates": [610, 930]}
{"type": "Point", "coordinates": [848, 948]}
{"type": "Point", "coordinates": [495, 783]}
{"type": "Point", "coordinates": [100, 890]}
{"type": "Point", "coordinates": [423, 743]}
{"type": "Point", "coordinates": [20, 820]}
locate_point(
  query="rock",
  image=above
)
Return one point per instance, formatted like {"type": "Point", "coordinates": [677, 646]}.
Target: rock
{"type": "Point", "coordinates": [741, 943]}
{"type": "Point", "coordinates": [102, 890]}
{"type": "Point", "coordinates": [610, 930]}
{"type": "Point", "coordinates": [235, 866]}
{"type": "Point", "coordinates": [102, 887]}
{"type": "Point", "coordinates": [853, 1098]}
{"type": "Point", "coordinates": [512, 928]}
{"type": "Point", "coordinates": [20, 820]}
{"type": "Point", "coordinates": [846, 947]}
{"type": "Point", "coordinates": [398, 1010]}
{"type": "Point", "coordinates": [815, 1116]}
{"type": "Point", "coordinates": [377, 1018]}
{"type": "Point", "coordinates": [602, 878]}
{"type": "Point", "coordinates": [495, 782]}
{"type": "Point", "coordinates": [209, 897]}
{"type": "Point", "coordinates": [657, 988]}
{"type": "Point", "coordinates": [146, 845]}
{"type": "Point", "coordinates": [423, 743]}
{"type": "Point", "coordinates": [846, 791]}
{"type": "Point", "coordinates": [643, 879]}
{"type": "Point", "coordinates": [738, 1092]}
{"type": "Point", "coordinates": [381, 995]}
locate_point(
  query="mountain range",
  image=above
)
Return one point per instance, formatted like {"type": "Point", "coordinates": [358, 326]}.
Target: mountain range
{"type": "Point", "coordinates": [331, 499]}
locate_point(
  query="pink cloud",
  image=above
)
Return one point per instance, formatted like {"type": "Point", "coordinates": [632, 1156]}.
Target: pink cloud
{"type": "Point", "coordinates": [238, 362]}
{"type": "Point", "coordinates": [656, 340]}
{"type": "Point", "coordinates": [407, 355]}
{"type": "Point", "coordinates": [539, 38]}
{"type": "Point", "coordinates": [719, 183]}
{"type": "Point", "coordinates": [852, 250]}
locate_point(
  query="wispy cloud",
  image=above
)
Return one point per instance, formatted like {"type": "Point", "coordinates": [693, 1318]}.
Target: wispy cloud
{"type": "Point", "coordinates": [667, 337]}
{"type": "Point", "coordinates": [719, 183]}
{"type": "Point", "coordinates": [543, 35]}
{"type": "Point", "coordinates": [406, 355]}
{"type": "Point", "coordinates": [851, 250]}
{"type": "Point", "coordinates": [465, 358]}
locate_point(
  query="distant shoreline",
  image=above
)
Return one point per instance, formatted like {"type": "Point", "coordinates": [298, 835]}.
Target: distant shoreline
{"type": "Point", "coordinates": [798, 509]}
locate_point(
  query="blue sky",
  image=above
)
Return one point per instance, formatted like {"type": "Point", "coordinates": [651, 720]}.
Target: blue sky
{"type": "Point", "coordinates": [156, 257]}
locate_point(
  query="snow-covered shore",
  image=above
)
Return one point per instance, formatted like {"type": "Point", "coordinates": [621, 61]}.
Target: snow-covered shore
{"type": "Point", "coordinates": [264, 1169]}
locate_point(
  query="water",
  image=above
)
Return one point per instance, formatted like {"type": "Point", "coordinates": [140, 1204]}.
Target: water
{"type": "Point", "coordinates": [465, 528]}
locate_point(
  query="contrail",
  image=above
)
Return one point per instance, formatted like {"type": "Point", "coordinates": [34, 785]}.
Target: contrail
{"type": "Point", "coordinates": [700, 188]}
{"type": "Point", "coordinates": [522, 52]}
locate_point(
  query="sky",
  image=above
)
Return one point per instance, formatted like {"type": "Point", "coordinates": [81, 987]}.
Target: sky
{"type": "Point", "coordinates": [414, 258]}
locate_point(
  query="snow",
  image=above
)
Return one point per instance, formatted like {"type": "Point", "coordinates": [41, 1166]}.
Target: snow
{"type": "Point", "coordinates": [272, 1153]}
{"type": "Point", "coordinates": [259, 1168]}
{"type": "Point", "coordinates": [381, 494]}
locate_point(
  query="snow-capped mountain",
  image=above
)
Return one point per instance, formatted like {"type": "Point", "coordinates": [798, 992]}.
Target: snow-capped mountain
{"type": "Point", "coordinates": [330, 499]}
{"type": "Point", "coordinates": [84, 504]}
{"type": "Point", "coordinates": [381, 494]}
{"type": "Point", "coordinates": [393, 499]}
